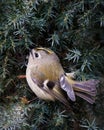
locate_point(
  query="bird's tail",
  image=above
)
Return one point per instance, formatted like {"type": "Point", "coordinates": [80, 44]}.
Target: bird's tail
{"type": "Point", "coordinates": [84, 89]}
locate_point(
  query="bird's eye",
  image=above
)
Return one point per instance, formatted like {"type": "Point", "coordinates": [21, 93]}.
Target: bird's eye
{"type": "Point", "coordinates": [36, 55]}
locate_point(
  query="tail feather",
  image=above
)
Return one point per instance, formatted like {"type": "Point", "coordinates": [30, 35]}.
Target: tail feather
{"type": "Point", "coordinates": [86, 97]}
{"type": "Point", "coordinates": [88, 87]}
{"type": "Point", "coordinates": [90, 84]}
{"type": "Point", "coordinates": [86, 90]}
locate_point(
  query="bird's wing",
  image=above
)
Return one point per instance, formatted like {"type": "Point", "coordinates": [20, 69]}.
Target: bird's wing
{"type": "Point", "coordinates": [56, 92]}
{"type": "Point", "coordinates": [49, 88]}
{"type": "Point", "coordinates": [66, 86]}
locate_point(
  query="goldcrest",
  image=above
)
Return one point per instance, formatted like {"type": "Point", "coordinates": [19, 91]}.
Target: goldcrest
{"type": "Point", "coordinates": [48, 80]}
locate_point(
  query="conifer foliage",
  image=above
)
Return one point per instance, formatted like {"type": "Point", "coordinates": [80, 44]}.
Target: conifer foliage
{"type": "Point", "coordinates": [74, 29]}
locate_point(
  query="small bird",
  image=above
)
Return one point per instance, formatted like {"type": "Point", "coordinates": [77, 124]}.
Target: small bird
{"type": "Point", "coordinates": [48, 80]}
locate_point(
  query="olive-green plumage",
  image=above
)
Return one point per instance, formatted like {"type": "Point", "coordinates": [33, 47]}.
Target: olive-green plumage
{"type": "Point", "coordinates": [48, 80]}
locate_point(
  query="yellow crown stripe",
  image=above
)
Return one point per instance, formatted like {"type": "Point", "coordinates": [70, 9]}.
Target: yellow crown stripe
{"type": "Point", "coordinates": [45, 49]}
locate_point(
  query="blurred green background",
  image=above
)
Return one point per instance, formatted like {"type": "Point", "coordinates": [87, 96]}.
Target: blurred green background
{"type": "Point", "coordinates": [74, 29]}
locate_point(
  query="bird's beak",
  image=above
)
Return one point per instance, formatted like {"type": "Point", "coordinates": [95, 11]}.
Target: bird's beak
{"type": "Point", "coordinates": [31, 53]}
